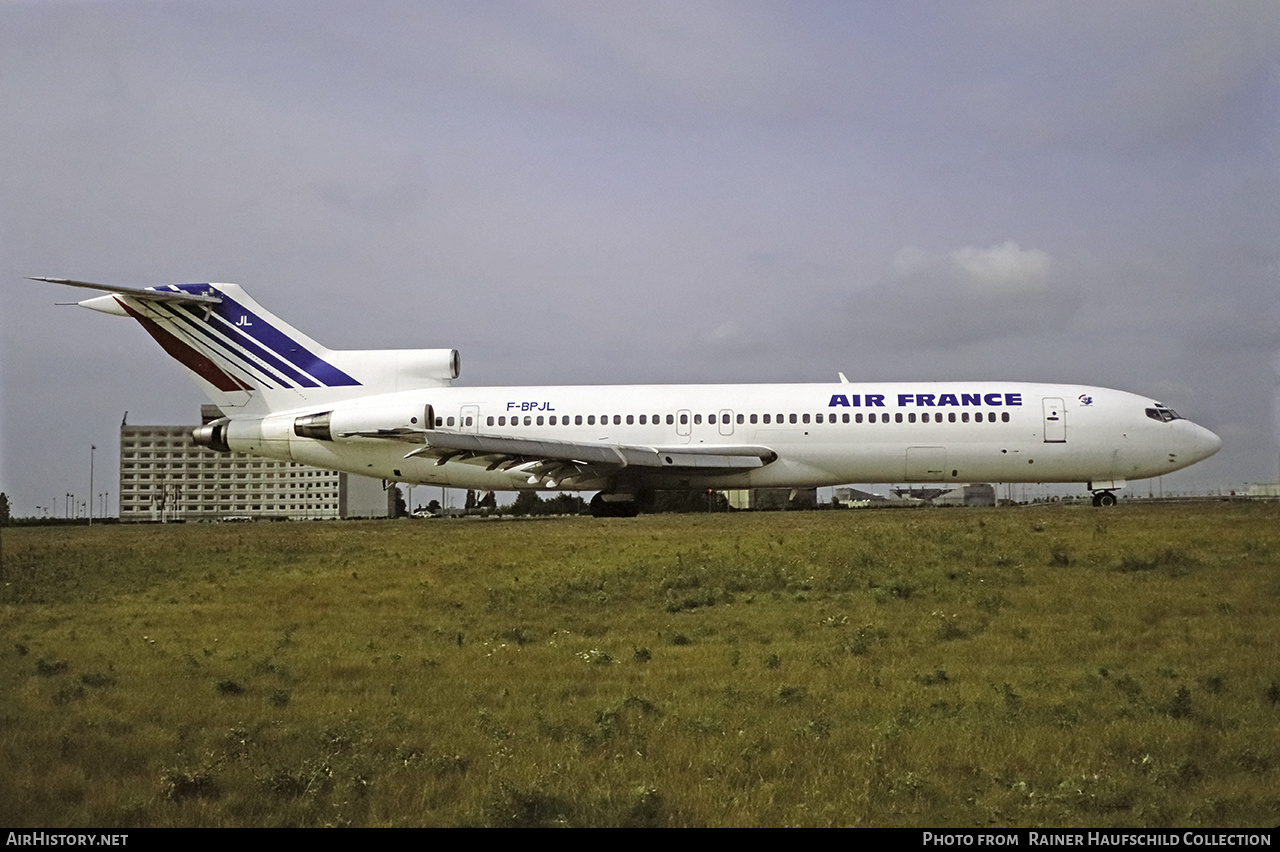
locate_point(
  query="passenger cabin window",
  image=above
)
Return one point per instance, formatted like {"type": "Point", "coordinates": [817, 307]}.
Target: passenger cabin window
{"type": "Point", "coordinates": [489, 420]}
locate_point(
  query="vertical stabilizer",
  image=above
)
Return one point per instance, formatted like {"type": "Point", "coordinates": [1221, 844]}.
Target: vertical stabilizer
{"type": "Point", "coordinates": [245, 358]}
{"type": "Point", "coordinates": [249, 361]}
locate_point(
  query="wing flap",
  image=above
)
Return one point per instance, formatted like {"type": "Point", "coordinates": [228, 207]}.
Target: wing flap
{"type": "Point", "coordinates": [523, 450]}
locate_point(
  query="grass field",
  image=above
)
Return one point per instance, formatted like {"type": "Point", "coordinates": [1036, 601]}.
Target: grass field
{"type": "Point", "coordinates": [1006, 667]}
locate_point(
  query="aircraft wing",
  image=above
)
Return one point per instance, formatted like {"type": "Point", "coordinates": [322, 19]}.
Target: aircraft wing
{"type": "Point", "coordinates": [146, 295]}
{"type": "Point", "coordinates": [565, 461]}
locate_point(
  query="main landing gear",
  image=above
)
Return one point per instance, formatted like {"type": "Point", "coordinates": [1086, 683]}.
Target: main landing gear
{"type": "Point", "coordinates": [1104, 498]}
{"type": "Point", "coordinates": [614, 505]}
{"type": "Point", "coordinates": [623, 504]}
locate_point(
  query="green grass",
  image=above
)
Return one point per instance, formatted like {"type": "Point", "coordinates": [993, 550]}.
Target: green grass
{"type": "Point", "coordinates": [1013, 667]}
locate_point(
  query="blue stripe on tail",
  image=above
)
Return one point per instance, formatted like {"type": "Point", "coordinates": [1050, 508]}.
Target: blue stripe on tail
{"type": "Point", "coordinates": [259, 337]}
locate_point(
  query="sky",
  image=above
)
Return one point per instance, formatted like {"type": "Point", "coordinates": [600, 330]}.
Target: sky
{"type": "Point", "coordinates": [659, 192]}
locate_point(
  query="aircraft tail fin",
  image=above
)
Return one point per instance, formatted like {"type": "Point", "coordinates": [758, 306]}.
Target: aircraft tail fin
{"type": "Point", "coordinates": [247, 360]}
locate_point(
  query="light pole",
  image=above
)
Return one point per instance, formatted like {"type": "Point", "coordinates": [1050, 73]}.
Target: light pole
{"type": "Point", "coordinates": [92, 449]}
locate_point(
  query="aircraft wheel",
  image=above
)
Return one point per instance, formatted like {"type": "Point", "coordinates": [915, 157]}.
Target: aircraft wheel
{"type": "Point", "coordinates": [1106, 498]}
{"type": "Point", "coordinates": [1097, 500]}
{"type": "Point", "coordinates": [601, 508]}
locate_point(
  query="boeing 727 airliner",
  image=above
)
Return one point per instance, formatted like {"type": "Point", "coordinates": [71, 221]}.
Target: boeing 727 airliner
{"type": "Point", "coordinates": [395, 415]}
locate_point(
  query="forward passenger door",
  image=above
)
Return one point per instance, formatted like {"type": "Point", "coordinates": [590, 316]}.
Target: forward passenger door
{"type": "Point", "coordinates": [1055, 421]}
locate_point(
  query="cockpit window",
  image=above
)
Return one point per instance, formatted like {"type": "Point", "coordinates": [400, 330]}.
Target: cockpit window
{"type": "Point", "coordinates": [1162, 413]}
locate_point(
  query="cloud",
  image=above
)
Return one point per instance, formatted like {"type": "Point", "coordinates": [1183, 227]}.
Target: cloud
{"type": "Point", "coordinates": [968, 295]}
{"type": "Point", "coordinates": [708, 55]}
{"type": "Point", "coordinates": [1003, 269]}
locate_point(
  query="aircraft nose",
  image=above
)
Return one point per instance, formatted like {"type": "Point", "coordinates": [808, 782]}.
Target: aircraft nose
{"type": "Point", "coordinates": [1204, 443]}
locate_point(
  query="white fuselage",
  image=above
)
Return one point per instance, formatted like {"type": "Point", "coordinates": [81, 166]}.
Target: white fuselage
{"type": "Point", "coordinates": [822, 434]}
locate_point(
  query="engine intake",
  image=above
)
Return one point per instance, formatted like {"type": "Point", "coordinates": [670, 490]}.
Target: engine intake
{"type": "Point", "coordinates": [366, 421]}
{"type": "Point", "coordinates": [314, 426]}
{"type": "Point", "coordinates": [212, 435]}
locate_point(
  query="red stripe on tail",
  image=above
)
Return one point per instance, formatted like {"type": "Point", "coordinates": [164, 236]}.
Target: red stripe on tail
{"type": "Point", "coordinates": [197, 363]}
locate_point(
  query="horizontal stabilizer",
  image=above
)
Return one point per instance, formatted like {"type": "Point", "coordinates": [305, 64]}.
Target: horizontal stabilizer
{"type": "Point", "coordinates": [145, 294]}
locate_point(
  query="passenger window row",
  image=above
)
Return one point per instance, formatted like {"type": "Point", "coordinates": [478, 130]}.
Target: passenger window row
{"type": "Point", "coordinates": [740, 419]}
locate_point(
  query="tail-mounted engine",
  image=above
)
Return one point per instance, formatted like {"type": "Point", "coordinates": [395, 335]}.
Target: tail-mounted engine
{"type": "Point", "coordinates": [273, 435]}
{"type": "Point", "coordinates": [396, 422]}
{"type": "Point", "coordinates": [212, 435]}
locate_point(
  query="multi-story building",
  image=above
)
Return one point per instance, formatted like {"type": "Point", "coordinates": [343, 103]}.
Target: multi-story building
{"type": "Point", "coordinates": [165, 476]}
